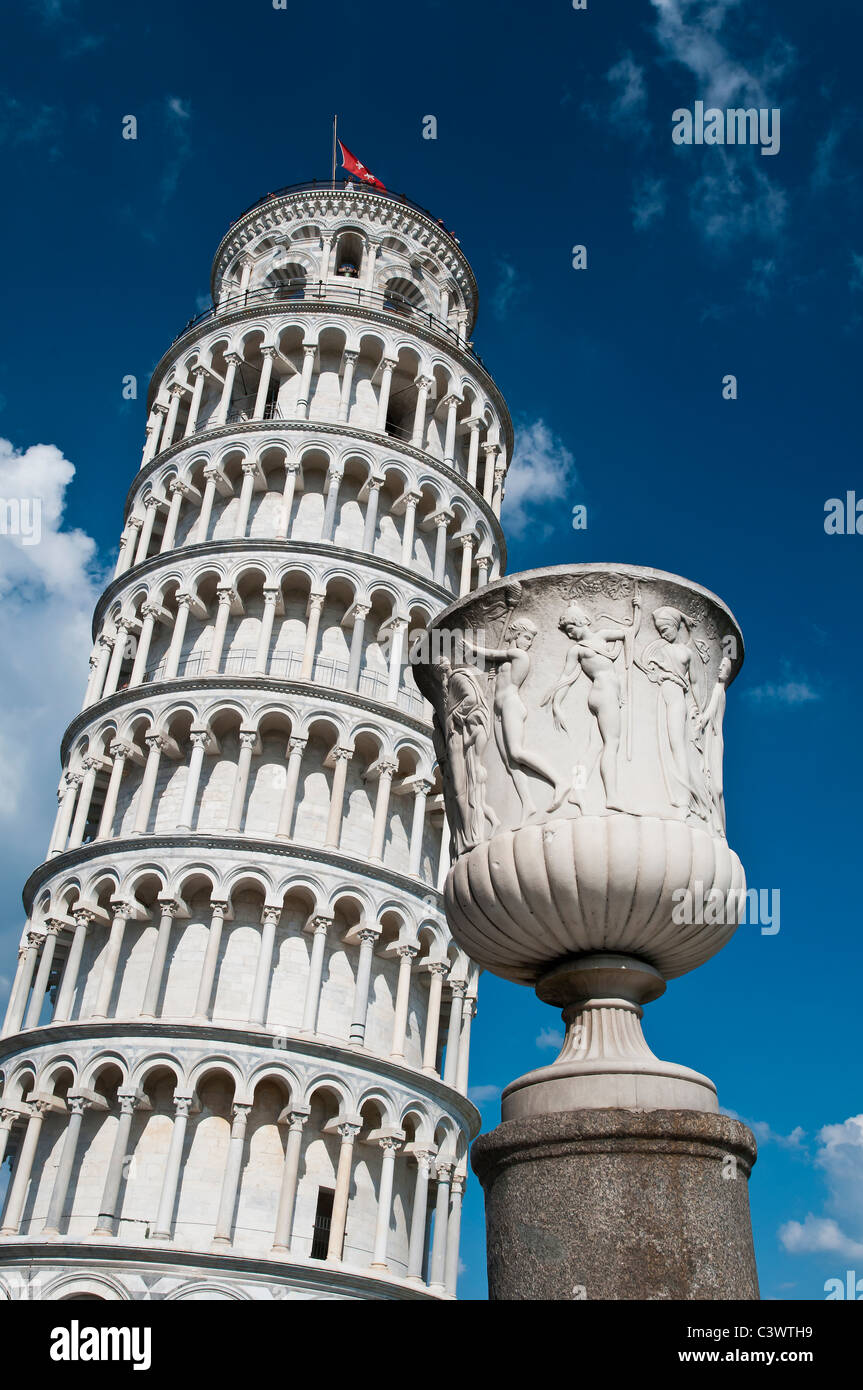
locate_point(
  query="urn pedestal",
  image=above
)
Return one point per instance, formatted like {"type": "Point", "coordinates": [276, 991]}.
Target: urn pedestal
{"type": "Point", "coordinates": [578, 717]}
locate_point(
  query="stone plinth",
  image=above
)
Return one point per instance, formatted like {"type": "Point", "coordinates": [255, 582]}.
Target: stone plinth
{"type": "Point", "coordinates": [618, 1204]}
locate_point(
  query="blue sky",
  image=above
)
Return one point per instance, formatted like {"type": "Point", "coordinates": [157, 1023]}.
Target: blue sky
{"type": "Point", "coordinates": [553, 130]}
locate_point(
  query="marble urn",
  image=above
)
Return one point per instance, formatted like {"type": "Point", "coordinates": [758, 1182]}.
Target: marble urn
{"type": "Point", "coordinates": [579, 725]}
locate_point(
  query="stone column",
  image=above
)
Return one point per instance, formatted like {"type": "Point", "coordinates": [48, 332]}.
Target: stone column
{"type": "Point", "coordinates": [423, 385]}
{"type": "Point", "coordinates": [490, 450]}
{"type": "Point", "coordinates": [152, 504]}
{"type": "Point", "coordinates": [347, 1133]}
{"type": "Point", "coordinates": [416, 1246]}
{"type": "Point", "coordinates": [334, 481]}
{"type": "Point", "coordinates": [292, 470]}
{"type": "Point", "coordinates": [85, 796]}
{"type": "Point", "coordinates": [233, 362]}
{"type": "Point", "coordinates": [154, 430]}
{"type": "Point", "coordinates": [23, 1168]}
{"type": "Point", "coordinates": [262, 655]}
{"type": "Point", "coordinates": [66, 811]}
{"type": "Point", "coordinates": [386, 771]}
{"type": "Point", "coordinates": [178, 491]}
{"type": "Point", "coordinates": [341, 757]}
{"type": "Point", "coordinates": [316, 603]}
{"type": "Point", "coordinates": [250, 475]}
{"type": "Point", "coordinates": [374, 486]}
{"type": "Point", "coordinates": [296, 1116]}
{"type": "Point", "coordinates": [156, 745]}
{"type": "Point", "coordinates": [120, 751]}
{"type": "Point", "coordinates": [318, 927]}
{"type": "Point", "coordinates": [18, 1005]}
{"type": "Point", "coordinates": [286, 814]}
{"type": "Point", "coordinates": [200, 374]}
{"type": "Point", "coordinates": [367, 937]}
{"type": "Point", "coordinates": [458, 990]}
{"type": "Point", "coordinates": [452, 404]}
{"type": "Point", "coordinates": [177, 393]}
{"type": "Point", "coordinates": [21, 972]}
{"type": "Point", "coordinates": [398, 627]}
{"type": "Point", "coordinates": [482, 564]}
{"type": "Point", "coordinates": [219, 910]}
{"type": "Point", "coordinates": [407, 955]}
{"type": "Point", "coordinates": [211, 472]}
{"type": "Point", "coordinates": [468, 1012]}
{"type": "Point", "coordinates": [437, 970]}
{"type": "Point", "coordinates": [178, 636]}
{"type": "Point", "coordinates": [76, 1105]}
{"type": "Point", "coordinates": [361, 612]}
{"type": "Point", "coordinates": [7, 1119]}
{"type": "Point", "coordinates": [231, 1180]}
{"type": "Point", "coordinates": [269, 921]}
{"type": "Point", "coordinates": [122, 912]}
{"type": "Point", "coordinates": [97, 680]}
{"type": "Point", "coordinates": [125, 629]}
{"type": "Point", "coordinates": [69, 983]}
{"type": "Point", "coordinates": [467, 544]}
{"type": "Point", "coordinates": [248, 740]}
{"type": "Point", "coordinates": [497, 494]}
{"type": "Point", "coordinates": [309, 353]}
{"type": "Point", "coordinates": [37, 998]}
{"type": "Point", "coordinates": [149, 613]}
{"type": "Point", "coordinates": [473, 451]}
{"type": "Point", "coordinates": [453, 1236]}
{"type": "Point", "coordinates": [437, 1271]}
{"type": "Point", "coordinates": [443, 856]}
{"type": "Point", "coordinates": [388, 364]}
{"type": "Point", "coordinates": [170, 909]}
{"type": "Point", "coordinates": [441, 520]}
{"type": "Point", "coordinates": [389, 1149]}
{"type": "Point", "coordinates": [268, 353]}
{"type": "Point", "coordinates": [200, 740]}
{"type": "Point", "coordinates": [168, 1195]}
{"type": "Point", "coordinates": [349, 358]}
{"type": "Point", "coordinates": [109, 1206]}
{"type": "Point", "coordinates": [421, 791]}
{"type": "Point", "coordinates": [411, 501]}
{"type": "Point", "coordinates": [226, 598]}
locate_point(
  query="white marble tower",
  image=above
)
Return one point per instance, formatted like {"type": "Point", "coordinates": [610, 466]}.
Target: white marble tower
{"type": "Point", "coordinates": [234, 1062]}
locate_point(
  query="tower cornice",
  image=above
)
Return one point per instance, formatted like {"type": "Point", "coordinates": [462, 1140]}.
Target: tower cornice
{"type": "Point", "coordinates": [249, 844]}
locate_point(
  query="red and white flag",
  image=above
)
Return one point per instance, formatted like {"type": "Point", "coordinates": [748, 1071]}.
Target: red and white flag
{"type": "Point", "coordinates": [353, 166]}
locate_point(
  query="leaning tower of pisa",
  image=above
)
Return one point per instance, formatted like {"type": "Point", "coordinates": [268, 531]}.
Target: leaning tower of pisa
{"type": "Point", "coordinates": [234, 1063]}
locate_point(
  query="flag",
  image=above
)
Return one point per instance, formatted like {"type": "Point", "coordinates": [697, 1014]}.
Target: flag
{"type": "Point", "coordinates": [353, 166]}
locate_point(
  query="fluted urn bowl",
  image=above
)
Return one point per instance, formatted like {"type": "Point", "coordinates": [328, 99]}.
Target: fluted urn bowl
{"type": "Point", "coordinates": [578, 723]}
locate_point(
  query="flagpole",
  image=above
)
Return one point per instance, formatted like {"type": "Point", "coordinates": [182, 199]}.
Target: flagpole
{"type": "Point", "coordinates": [335, 128]}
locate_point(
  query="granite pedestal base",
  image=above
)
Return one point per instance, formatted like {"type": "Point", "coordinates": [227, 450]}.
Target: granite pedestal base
{"type": "Point", "coordinates": [618, 1204]}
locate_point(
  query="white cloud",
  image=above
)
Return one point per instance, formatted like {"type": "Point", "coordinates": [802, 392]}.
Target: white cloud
{"type": "Point", "coordinates": [765, 1134]}
{"type": "Point", "coordinates": [550, 1038]}
{"type": "Point", "coordinates": [840, 1230]}
{"type": "Point", "coordinates": [630, 90]}
{"type": "Point", "coordinates": [818, 1235]}
{"type": "Point", "coordinates": [733, 197]}
{"type": "Point", "coordinates": [787, 692]}
{"type": "Point", "coordinates": [543, 471]}
{"type": "Point", "coordinates": [47, 594]}
{"type": "Point", "coordinates": [690, 33]}
{"type": "Point", "coordinates": [481, 1094]}
{"type": "Point", "coordinates": [648, 201]}
{"type": "Point", "coordinates": [506, 289]}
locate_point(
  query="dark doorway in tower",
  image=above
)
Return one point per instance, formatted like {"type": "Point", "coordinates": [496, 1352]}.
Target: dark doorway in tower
{"type": "Point", "coordinates": [323, 1221]}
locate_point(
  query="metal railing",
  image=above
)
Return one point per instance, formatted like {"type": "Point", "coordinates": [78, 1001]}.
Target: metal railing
{"type": "Point", "coordinates": [286, 665]}
{"type": "Point", "coordinates": [337, 290]}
